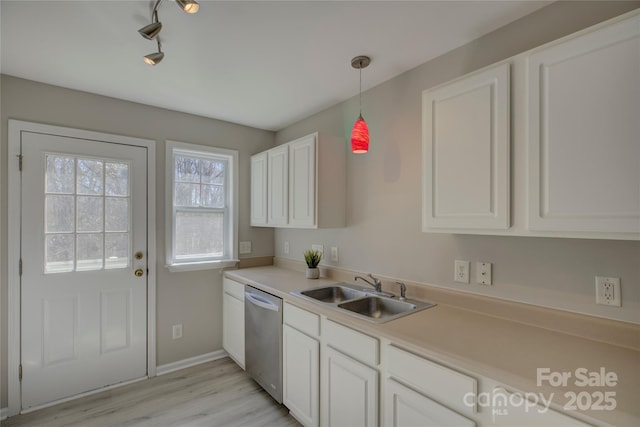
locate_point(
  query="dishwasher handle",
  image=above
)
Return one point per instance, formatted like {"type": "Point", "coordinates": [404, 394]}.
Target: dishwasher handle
{"type": "Point", "coordinates": [261, 302]}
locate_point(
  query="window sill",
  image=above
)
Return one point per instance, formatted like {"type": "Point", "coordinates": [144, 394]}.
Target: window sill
{"type": "Point", "coordinates": [196, 266]}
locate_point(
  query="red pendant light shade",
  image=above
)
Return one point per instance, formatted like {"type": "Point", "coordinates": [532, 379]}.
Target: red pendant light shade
{"type": "Point", "coordinates": [360, 136]}
{"type": "Point", "coordinates": [360, 132]}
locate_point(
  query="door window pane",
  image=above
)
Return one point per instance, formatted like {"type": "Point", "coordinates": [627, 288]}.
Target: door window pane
{"type": "Point", "coordinates": [59, 213]}
{"type": "Point", "coordinates": [89, 248]}
{"type": "Point", "coordinates": [116, 246]}
{"type": "Point", "coordinates": [116, 179]}
{"type": "Point", "coordinates": [90, 215]}
{"type": "Point", "coordinates": [60, 174]}
{"type": "Point", "coordinates": [116, 216]}
{"type": "Point", "coordinates": [199, 234]}
{"type": "Point", "coordinates": [59, 253]}
{"type": "Point", "coordinates": [90, 176]}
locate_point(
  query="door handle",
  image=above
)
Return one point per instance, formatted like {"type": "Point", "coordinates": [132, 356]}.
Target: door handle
{"type": "Point", "coordinates": [139, 272]}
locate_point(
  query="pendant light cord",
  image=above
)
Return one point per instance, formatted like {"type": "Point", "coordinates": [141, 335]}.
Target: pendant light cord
{"type": "Point", "coordinates": [360, 88]}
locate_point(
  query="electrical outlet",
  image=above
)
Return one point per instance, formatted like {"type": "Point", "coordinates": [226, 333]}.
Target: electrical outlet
{"type": "Point", "coordinates": [177, 331]}
{"type": "Point", "coordinates": [608, 291]}
{"type": "Point", "coordinates": [286, 248]}
{"type": "Point", "coordinates": [461, 271]}
{"type": "Point", "coordinates": [483, 273]}
{"type": "Point", "coordinates": [334, 254]}
{"type": "Point", "coordinates": [245, 247]}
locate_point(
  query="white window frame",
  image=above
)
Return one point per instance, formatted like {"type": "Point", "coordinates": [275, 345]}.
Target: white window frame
{"type": "Point", "coordinates": [231, 252]}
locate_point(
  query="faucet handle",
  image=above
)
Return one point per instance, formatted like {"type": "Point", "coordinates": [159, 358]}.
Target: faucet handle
{"type": "Point", "coordinates": [403, 291]}
{"type": "Point", "coordinates": [375, 279]}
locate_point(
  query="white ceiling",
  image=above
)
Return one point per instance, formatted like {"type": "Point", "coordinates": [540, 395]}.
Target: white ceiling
{"type": "Point", "coordinates": [265, 64]}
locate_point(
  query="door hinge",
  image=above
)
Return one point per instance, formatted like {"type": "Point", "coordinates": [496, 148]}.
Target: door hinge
{"type": "Point", "coordinates": [20, 267]}
{"type": "Point", "coordinates": [20, 157]}
{"type": "Point", "coordinates": [20, 372]}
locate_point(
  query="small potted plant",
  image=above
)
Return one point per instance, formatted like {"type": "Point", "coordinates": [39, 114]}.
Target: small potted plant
{"type": "Point", "coordinates": [312, 258]}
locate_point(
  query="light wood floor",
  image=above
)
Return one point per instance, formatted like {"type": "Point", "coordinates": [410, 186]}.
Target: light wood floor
{"type": "Point", "coordinates": [217, 393]}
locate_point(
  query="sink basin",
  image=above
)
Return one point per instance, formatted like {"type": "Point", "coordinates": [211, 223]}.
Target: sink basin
{"type": "Point", "coordinates": [333, 294]}
{"type": "Point", "coordinates": [351, 299]}
{"type": "Point", "coordinates": [381, 309]}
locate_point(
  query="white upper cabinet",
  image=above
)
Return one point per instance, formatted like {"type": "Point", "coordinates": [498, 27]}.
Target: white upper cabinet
{"type": "Point", "coordinates": [573, 147]}
{"type": "Point", "coordinates": [259, 189]}
{"type": "Point", "coordinates": [466, 152]}
{"type": "Point", "coordinates": [584, 132]}
{"type": "Point", "coordinates": [302, 182]}
{"type": "Point", "coordinates": [278, 186]}
{"type": "Point", "coordinates": [305, 184]}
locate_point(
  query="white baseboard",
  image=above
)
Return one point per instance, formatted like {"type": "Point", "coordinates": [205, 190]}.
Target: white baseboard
{"type": "Point", "coordinates": [3, 413]}
{"type": "Point", "coordinates": [192, 361]}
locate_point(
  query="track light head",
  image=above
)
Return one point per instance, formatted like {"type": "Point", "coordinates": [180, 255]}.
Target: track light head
{"type": "Point", "coordinates": [189, 6]}
{"type": "Point", "coordinates": [154, 58]}
{"type": "Point", "coordinates": [150, 31]}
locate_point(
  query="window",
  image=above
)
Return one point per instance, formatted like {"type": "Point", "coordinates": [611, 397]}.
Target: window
{"type": "Point", "coordinates": [201, 192]}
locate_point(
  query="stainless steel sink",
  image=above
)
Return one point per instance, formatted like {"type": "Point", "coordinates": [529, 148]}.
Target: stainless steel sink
{"type": "Point", "coordinates": [333, 294]}
{"type": "Point", "coordinates": [351, 299]}
{"type": "Point", "coordinates": [382, 309]}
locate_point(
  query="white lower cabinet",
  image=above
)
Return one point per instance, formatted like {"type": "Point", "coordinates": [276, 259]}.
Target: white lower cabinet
{"type": "Point", "coordinates": [349, 391]}
{"type": "Point", "coordinates": [349, 377]}
{"type": "Point", "coordinates": [233, 320]}
{"type": "Point", "coordinates": [301, 364]}
{"type": "Point", "coordinates": [405, 407]}
{"type": "Point", "coordinates": [300, 375]}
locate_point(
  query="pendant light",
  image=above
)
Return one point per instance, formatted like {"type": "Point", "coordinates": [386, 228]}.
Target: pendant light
{"type": "Point", "coordinates": [360, 132]}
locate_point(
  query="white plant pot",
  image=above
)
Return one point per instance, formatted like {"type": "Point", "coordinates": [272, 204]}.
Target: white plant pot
{"type": "Point", "coordinates": [313, 273]}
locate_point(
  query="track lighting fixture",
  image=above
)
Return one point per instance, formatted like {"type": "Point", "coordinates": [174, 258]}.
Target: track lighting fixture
{"type": "Point", "coordinates": [155, 57]}
{"type": "Point", "coordinates": [151, 31]}
{"type": "Point", "coordinates": [189, 6]}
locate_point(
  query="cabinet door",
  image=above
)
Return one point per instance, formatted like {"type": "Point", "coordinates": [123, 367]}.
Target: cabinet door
{"type": "Point", "coordinates": [349, 391]}
{"type": "Point", "coordinates": [584, 132]}
{"type": "Point", "coordinates": [301, 369]}
{"type": "Point", "coordinates": [278, 185]}
{"type": "Point", "coordinates": [259, 189]}
{"type": "Point", "coordinates": [407, 408]}
{"type": "Point", "coordinates": [466, 153]}
{"type": "Point", "coordinates": [233, 320]}
{"type": "Point", "coordinates": [302, 182]}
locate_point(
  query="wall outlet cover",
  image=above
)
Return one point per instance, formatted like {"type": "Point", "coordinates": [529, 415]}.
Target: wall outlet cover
{"type": "Point", "coordinates": [334, 254]}
{"type": "Point", "coordinates": [608, 291]}
{"type": "Point", "coordinates": [461, 271]}
{"type": "Point", "coordinates": [286, 247]}
{"type": "Point", "coordinates": [177, 331]}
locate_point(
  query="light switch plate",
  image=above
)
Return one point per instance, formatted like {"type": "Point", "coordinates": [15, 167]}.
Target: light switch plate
{"type": "Point", "coordinates": [245, 247]}
{"type": "Point", "coordinates": [483, 273]}
{"type": "Point", "coordinates": [334, 254]}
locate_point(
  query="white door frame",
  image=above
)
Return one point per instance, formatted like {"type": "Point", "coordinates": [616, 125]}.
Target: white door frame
{"type": "Point", "coordinates": [13, 241]}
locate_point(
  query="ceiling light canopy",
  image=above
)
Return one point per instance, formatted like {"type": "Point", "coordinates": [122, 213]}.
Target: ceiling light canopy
{"type": "Point", "coordinates": [151, 31]}
{"type": "Point", "coordinates": [360, 132]}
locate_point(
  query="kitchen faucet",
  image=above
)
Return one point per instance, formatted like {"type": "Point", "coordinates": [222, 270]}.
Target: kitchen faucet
{"type": "Point", "coordinates": [377, 284]}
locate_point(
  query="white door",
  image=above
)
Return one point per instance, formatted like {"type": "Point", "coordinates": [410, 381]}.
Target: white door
{"type": "Point", "coordinates": [278, 185]}
{"type": "Point", "coordinates": [83, 291]}
{"type": "Point", "coordinates": [301, 369]}
{"type": "Point", "coordinates": [302, 182]}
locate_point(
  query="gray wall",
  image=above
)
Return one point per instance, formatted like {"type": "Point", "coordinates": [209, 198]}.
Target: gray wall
{"type": "Point", "coordinates": [384, 235]}
{"type": "Point", "coordinates": [191, 298]}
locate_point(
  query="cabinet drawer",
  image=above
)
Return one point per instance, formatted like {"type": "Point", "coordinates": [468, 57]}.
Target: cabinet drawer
{"type": "Point", "coordinates": [302, 320]}
{"type": "Point", "coordinates": [442, 384]}
{"type": "Point", "coordinates": [352, 343]}
{"type": "Point", "coordinates": [233, 288]}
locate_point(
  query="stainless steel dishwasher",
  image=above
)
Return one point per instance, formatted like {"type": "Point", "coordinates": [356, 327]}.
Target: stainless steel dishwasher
{"type": "Point", "coordinates": [263, 340]}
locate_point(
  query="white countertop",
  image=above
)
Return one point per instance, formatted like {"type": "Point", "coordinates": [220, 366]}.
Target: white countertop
{"type": "Point", "coordinates": [506, 351]}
